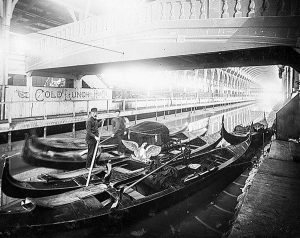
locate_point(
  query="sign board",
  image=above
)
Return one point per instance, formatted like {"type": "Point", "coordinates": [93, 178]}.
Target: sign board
{"type": "Point", "coordinates": [25, 101]}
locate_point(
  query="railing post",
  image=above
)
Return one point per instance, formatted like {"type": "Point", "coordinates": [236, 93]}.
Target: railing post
{"type": "Point", "coordinates": [9, 112]}
{"type": "Point", "coordinates": [45, 111]}
{"type": "Point", "coordinates": [164, 110]}
{"type": "Point", "coordinates": [124, 100]}
{"type": "Point", "coordinates": [9, 141]}
{"type": "Point", "coordinates": [74, 130]}
{"type": "Point", "coordinates": [87, 107]}
{"type": "Point", "coordinates": [136, 106]}
{"type": "Point", "coordinates": [74, 113]}
{"type": "Point", "coordinates": [45, 131]}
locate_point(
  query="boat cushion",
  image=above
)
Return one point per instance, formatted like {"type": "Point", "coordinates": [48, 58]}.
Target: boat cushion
{"type": "Point", "coordinates": [134, 194]}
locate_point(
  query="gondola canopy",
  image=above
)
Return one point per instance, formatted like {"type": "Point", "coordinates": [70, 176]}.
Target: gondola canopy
{"type": "Point", "coordinates": [154, 133]}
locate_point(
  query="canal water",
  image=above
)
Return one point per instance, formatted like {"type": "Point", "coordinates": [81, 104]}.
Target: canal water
{"type": "Point", "coordinates": [207, 213]}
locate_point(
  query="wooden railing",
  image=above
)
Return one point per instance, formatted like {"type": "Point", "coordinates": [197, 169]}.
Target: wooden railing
{"type": "Point", "coordinates": [33, 109]}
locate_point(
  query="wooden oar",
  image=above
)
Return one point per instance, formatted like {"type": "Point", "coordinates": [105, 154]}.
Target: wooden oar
{"type": "Point", "coordinates": [147, 175]}
{"type": "Point", "coordinates": [99, 143]}
{"type": "Point", "coordinates": [94, 155]}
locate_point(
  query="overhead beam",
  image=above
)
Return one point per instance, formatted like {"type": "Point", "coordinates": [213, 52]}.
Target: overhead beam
{"type": "Point", "coordinates": [30, 15]}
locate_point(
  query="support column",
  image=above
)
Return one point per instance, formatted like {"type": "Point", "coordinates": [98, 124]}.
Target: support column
{"type": "Point", "coordinates": [6, 10]}
{"type": "Point", "coordinates": [296, 82]}
{"type": "Point", "coordinates": [218, 85]}
{"type": "Point", "coordinates": [28, 81]}
{"type": "Point", "coordinates": [205, 79]}
{"type": "Point", "coordinates": [78, 82]}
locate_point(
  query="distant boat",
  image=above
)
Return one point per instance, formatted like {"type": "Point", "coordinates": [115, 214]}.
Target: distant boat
{"type": "Point", "coordinates": [259, 132]}
{"type": "Point", "coordinates": [103, 206]}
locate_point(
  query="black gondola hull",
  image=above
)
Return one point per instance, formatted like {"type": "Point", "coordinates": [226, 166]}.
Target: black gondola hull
{"type": "Point", "coordinates": [128, 211]}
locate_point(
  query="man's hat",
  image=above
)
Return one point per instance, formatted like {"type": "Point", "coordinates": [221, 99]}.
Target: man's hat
{"type": "Point", "coordinates": [94, 109]}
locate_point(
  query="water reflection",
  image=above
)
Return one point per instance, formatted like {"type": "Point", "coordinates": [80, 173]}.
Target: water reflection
{"type": "Point", "coordinates": [239, 115]}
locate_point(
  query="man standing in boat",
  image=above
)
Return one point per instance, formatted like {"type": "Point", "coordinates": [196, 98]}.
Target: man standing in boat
{"type": "Point", "coordinates": [92, 135]}
{"type": "Point", "coordinates": [118, 126]}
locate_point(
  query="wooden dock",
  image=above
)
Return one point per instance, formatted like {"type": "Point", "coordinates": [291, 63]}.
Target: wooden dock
{"type": "Point", "coordinates": [271, 207]}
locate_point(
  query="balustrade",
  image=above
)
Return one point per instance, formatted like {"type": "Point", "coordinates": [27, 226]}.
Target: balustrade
{"type": "Point", "coordinates": [92, 29]}
{"type": "Point", "coordinates": [96, 29]}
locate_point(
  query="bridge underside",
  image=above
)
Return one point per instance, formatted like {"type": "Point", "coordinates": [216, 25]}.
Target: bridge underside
{"type": "Point", "coordinates": [233, 58]}
{"type": "Point", "coordinates": [168, 44]}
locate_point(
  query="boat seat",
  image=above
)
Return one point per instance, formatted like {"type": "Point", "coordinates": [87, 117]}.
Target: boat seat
{"type": "Point", "coordinates": [175, 152]}
{"type": "Point", "coordinates": [134, 194]}
{"type": "Point", "coordinates": [194, 146]}
{"type": "Point", "coordinates": [180, 167]}
{"type": "Point", "coordinates": [127, 171]}
{"type": "Point", "coordinates": [223, 159]}
{"type": "Point", "coordinates": [194, 166]}
{"type": "Point", "coordinates": [213, 160]}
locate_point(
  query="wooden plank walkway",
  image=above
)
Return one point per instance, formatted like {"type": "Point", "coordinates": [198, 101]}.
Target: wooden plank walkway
{"type": "Point", "coordinates": [28, 123]}
{"type": "Point", "coordinates": [272, 205]}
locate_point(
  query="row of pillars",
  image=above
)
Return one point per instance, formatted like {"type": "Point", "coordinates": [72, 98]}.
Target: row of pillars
{"type": "Point", "coordinates": [213, 79]}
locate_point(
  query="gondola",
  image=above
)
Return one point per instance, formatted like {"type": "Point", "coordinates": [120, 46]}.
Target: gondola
{"type": "Point", "coordinates": [68, 144]}
{"type": "Point", "coordinates": [71, 144]}
{"type": "Point", "coordinates": [232, 138]}
{"type": "Point", "coordinates": [262, 125]}
{"type": "Point", "coordinates": [62, 182]}
{"type": "Point", "coordinates": [259, 132]}
{"type": "Point", "coordinates": [50, 185]}
{"type": "Point", "coordinates": [61, 160]}
{"type": "Point", "coordinates": [103, 206]}
{"type": "Point", "coordinates": [153, 133]}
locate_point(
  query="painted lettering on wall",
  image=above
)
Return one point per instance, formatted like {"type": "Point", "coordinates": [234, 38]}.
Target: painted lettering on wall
{"type": "Point", "coordinates": [41, 94]}
{"type": "Point", "coordinates": [22, 94]}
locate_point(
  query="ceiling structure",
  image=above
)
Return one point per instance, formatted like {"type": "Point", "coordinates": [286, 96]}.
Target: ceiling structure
{"type": "Point", "coordinates": [35, 15]}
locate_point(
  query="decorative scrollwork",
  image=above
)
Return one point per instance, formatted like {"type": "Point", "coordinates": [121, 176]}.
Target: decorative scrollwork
{"type": "Point", "coordinates": [251, 12]}
{"type": "Point", "coordinates": [203, 9]}
{"type": "Point", "coordinates": [238, 8]}
{"type": "Point", "coordinates": [225, 13]}
{"type": "Point", "coordinates": [281, 8]}
{"type": "Point", "coordinates": [265, 7]}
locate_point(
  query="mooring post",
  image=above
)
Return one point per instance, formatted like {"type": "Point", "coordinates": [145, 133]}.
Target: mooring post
{"type": "Point", "coordinates": [263, 149]}
{"type": "Point", "coordinates": [73, 131]}
{"type": "Point", "coordinates": [45, 131]}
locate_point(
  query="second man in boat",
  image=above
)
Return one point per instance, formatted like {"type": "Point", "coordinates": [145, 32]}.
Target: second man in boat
{"type": "Point", "coordinates": [92, 135]}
